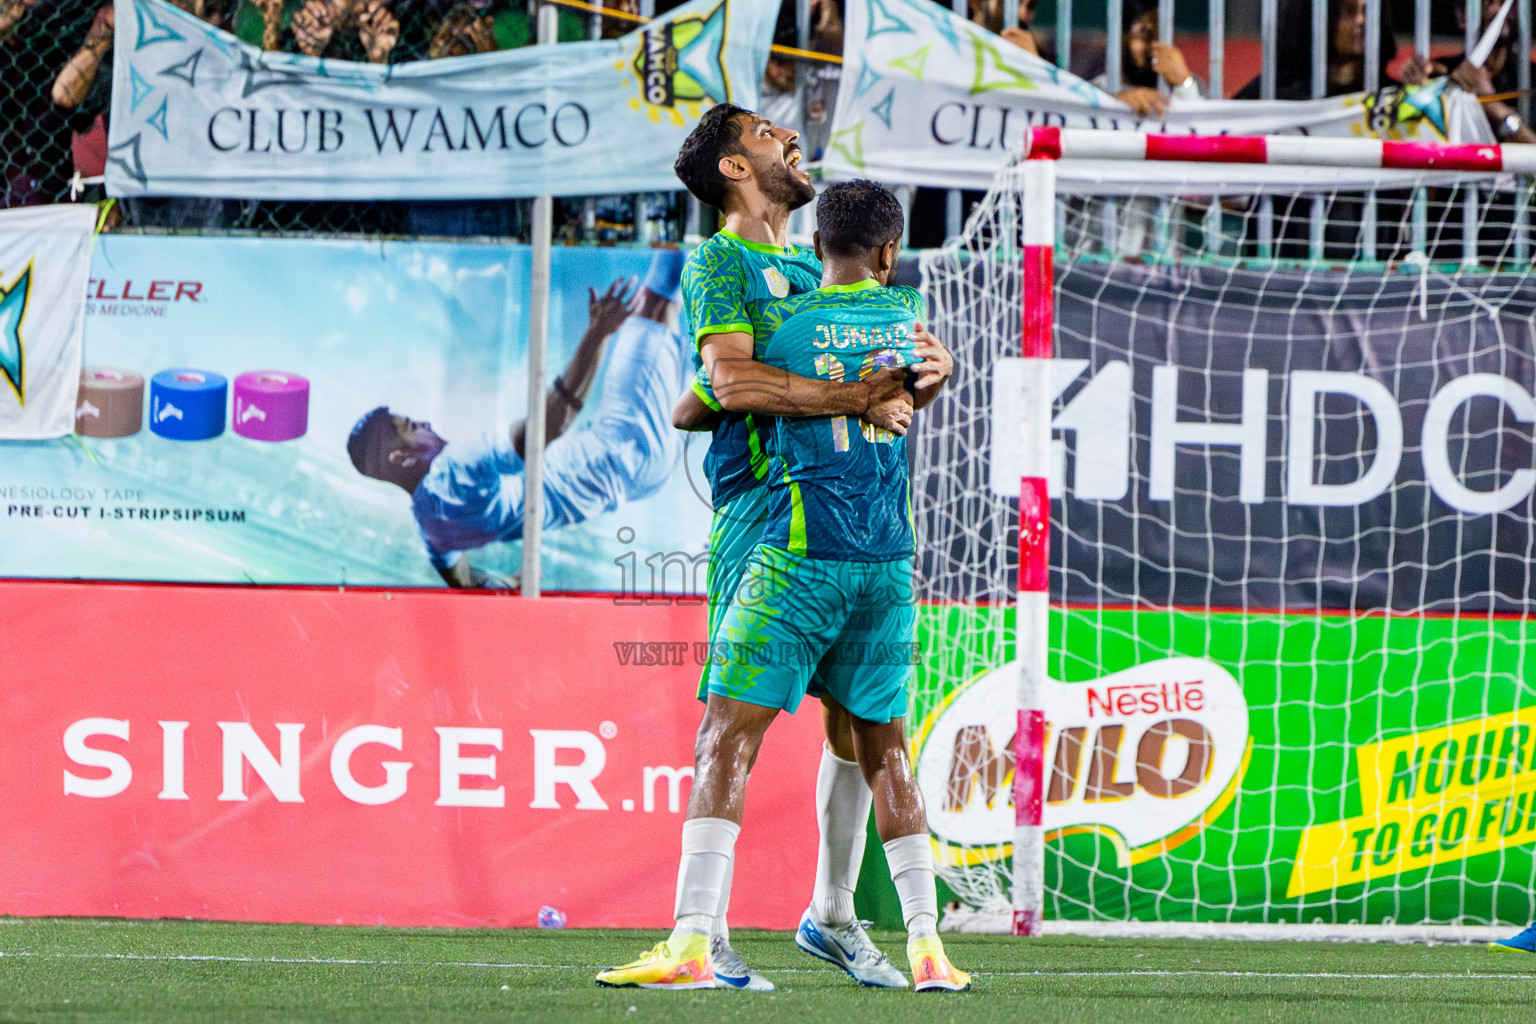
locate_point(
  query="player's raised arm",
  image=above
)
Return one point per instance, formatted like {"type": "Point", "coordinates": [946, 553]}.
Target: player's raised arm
{"type": "Point", "coordinates": [606, 313]}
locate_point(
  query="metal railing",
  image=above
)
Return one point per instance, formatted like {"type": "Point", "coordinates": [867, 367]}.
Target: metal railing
{"type": "Point", "coordinates": [41, 143]}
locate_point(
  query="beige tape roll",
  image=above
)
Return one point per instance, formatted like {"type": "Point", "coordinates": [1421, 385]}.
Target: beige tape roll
{"type": "Point", "coordinates": [111, 403]}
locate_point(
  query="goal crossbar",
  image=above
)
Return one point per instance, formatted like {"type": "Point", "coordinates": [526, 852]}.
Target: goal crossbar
{"type": "Point", "coordinates": [1289, 150]}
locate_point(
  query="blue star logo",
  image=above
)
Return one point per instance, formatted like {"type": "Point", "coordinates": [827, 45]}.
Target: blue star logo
{"type": "Point", "coordinates": [701, 58]}
{"type": "Point", "coordinates": [943, 24]}
{"type": "Point", "coordinates": [151, 29]}
{"type": "Point", "coordinates": [867, 80]}
{"type": "Point", "coordinates": [142, 90]}
{"type": "Point", "coordinates": [1091, 95]}
{"type": "Point", "coordinates": [13, 356]}
{"type": "Point", "coordinates": [258, 77]}
{"type": "Point", "coordinates": [186, 70]}
{"type": "Point", "coordinates": [1428, 102]}
{"type": "Point", "coordinates": [882, 20]}
{"type": "Point", "coordinates": [157, 120]}
{"type": "Point", "coordinates": [882, 110]}
{"type": "Point", "coordinates": [126, 155]}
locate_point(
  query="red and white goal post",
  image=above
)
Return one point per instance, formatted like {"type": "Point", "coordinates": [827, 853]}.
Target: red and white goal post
{"type": "Point", "coordinates": [991, 871]}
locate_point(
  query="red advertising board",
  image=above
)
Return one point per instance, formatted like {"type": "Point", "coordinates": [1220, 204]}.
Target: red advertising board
{"type": "Point", "coordinates": [404, 758]}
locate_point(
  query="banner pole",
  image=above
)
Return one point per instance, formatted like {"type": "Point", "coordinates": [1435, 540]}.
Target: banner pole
{"type": "Point", "coordinates": [954, 202]}
{"type": "Point", "coordinates": [1216, 36]}
{"type": "Point", "coordinates": [1032, 622]}
{"type": "Point", "coordinates": [1113, 16]}
{"type": "Point", "coordinates": [1469, 191]}
{"type": "Point", "coordinates": [538, 347]}
{"type": "Point", "coordinates": [1373, 73]}
{"type": "Point", "coordinates": [1063, 34]}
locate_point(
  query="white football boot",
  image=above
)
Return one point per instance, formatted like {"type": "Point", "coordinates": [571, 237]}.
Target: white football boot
{"type": "Point", "coordinates": [732, 972]}
{"type": "Point", "coordinates": [850, 948]}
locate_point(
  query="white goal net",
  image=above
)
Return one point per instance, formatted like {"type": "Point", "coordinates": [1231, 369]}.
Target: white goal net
{"type": "Point", "coordinates": [1291, 472]}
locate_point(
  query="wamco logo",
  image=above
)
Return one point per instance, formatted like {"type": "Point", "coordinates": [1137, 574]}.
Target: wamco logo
{"type": "Point", "coordinates": [1100, 415]}
{"type": "Point", "coordinates": [1146, 757]}
{"type": "Point", "coordinates": [681, 62]}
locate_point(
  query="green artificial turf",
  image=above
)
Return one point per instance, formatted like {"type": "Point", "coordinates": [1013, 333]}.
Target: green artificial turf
{"type": "Point", "coordinates": [175, 971]}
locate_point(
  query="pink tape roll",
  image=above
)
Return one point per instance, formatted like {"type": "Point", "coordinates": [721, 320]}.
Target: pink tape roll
{"type": "Point", "coordinates": [271, 405]}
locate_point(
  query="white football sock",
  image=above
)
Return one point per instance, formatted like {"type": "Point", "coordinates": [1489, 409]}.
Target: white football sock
{"type": "Point", "coordinates": [842, 814]}
{"type": "Point", "coordinates": [708, 847]}
{"type": "Point", "coordinates": [911, 862]}
{"type": "Point", "coordinates": [722, 929]}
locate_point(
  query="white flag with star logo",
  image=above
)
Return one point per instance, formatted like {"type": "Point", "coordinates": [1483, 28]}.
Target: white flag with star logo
{"type": "Point", "coordinates": [931, 99]}
{"type": "Point", "coordinates": [45, 262]}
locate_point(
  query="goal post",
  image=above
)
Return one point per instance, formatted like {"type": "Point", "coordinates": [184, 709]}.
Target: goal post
{"type": "Point", "coordinates": [1033, 621]}
{"type": "Point", "coordinates": [1223, 426]}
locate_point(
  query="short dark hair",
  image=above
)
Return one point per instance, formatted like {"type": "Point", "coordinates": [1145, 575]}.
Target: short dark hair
{"type": "Point", "coordinates": [365, 436]}
{"type": "Point", "coordinates": [717, 134]}
{"type": "Point", "coordinates": [856, 216]}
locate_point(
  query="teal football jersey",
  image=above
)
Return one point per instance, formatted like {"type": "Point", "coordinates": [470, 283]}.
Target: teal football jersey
{"type": "Point", "coordinates": [840, 488]}
{"type": "Point", "coordinates": [727, 284]}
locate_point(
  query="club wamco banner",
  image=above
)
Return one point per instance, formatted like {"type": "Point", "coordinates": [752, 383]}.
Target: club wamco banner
{"type": "Point", "coordinates": [196, 112]}
{"type": "Point", "coordinates": [930, 99]}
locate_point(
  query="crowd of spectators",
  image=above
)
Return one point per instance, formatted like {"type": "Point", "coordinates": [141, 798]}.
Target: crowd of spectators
{"type": "Point", "coordinates": [55, 79]}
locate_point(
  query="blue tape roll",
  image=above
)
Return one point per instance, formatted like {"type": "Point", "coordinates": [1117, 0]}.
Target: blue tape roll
{"type": "Point", "coordinates": [187, 405]}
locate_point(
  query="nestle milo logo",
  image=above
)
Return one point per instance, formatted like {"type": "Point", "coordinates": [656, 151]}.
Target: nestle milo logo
{"type": "Point", "coordinates": [1147, 757]}
{"type": "Point", "coordinates": [682, 60]}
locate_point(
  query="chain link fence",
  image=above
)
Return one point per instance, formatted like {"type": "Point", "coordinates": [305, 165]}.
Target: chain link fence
{"type": "Point", "coordinates": [56, 88]}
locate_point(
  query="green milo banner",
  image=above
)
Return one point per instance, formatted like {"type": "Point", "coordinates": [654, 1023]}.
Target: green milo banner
{"type": "Point", "coordinates": [1243, 767]}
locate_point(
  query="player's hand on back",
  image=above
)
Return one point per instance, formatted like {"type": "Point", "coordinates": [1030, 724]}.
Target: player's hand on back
{"type": "Point", "coordinates": [890, 405]}
{"type": "Point", "coordinates": [608, 311]}
{"type": "Point", "coordinates": [935, 364]}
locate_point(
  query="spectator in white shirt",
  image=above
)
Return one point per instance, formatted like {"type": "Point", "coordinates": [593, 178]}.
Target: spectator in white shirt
{"type": "Point", "coordinates": [1145, 62]}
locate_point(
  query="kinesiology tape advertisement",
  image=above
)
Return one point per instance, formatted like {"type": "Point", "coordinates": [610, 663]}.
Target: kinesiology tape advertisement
{"type": "Point", "coordinates": [342, 413]}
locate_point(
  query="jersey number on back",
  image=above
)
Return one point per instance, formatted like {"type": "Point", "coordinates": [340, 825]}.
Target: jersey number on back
{"type": "Point", "coordinates": [829, 366]}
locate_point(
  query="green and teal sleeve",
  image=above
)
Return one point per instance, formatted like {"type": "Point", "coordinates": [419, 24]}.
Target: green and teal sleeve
{"type": "Point", "coordinates": [715, 294]}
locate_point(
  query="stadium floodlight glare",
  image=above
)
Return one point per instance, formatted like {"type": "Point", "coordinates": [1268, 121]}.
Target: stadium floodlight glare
{"type": "Point", "coordinates": [1143, 265]}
